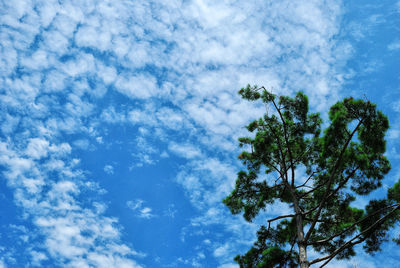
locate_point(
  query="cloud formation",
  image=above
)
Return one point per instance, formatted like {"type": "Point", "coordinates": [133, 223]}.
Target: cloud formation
{"type": "Point", "coordinates": [167, 73]}
{"type": "Point", "coordinates": [140, 210]}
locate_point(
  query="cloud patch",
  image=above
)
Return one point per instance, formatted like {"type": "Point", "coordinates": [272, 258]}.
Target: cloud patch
{"type": "Point", "coordinates": [139, 209]}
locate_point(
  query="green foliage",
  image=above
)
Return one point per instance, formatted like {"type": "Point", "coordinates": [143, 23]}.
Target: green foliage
{"type": "Point", "coordinates": [343, 161]}
{"type": "Point", "coordinates": [265, 255]}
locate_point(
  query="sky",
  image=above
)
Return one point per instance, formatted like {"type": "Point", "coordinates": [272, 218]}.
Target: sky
{"type": "Point", "coordinates": [119, 119]}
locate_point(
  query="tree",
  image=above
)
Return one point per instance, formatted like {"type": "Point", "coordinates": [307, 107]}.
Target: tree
{"type": "Point", "coordinates": [318, 174]}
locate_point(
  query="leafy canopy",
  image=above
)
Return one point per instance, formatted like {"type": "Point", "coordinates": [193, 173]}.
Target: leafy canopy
{"type": "Point", "coordinates": [342, 162]}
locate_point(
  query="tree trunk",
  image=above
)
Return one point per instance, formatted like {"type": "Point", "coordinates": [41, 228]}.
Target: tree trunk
{"type": "Point", "coordinates": [303, 256]}
{"type": "Point", "coordinates": [301, 243]}
{"type": "Point", "coordinates": [299, 226]}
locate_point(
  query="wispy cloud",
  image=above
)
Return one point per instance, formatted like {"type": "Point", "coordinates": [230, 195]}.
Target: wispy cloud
{"type": "Point", "coordinates": [140, 210]}
{"type": "Point", "coordinates": [109, 169]}
{"type": "Point", "coordinates": [185, 150]}
{"type": "Point", "coordinates": [171, 211]}
{"type": "Point", "coordinates": [70, 231]}
{"type": "Point", "coordinates": [395, 45]}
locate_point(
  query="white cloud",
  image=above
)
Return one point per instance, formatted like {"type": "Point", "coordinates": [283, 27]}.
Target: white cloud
{"type": "Point", "coordinates": [164, 154]}
{"type": "Point", "coordinates": [172, 119]}
{"type": "Point", "coordinates": [207, 182]}
{"type": "Point", "coordinates": [37, 258]}
{"type": "Point", "coordinates": [56, 42]}
{"type": "Point", "coordinates": [393, 134]}
{"type": "Point", "coordinates": [38, 60]}
{"type": "Point", "coordinates": [70, 231]}
{"type": "Point", "coordinates": [83, 63]}
{"type": "Point", "coordinates": [140, 210]}
{"type": "Point", "coordinates": [109, 115]}
{"type": "Point", "coordinates": [107, 73]}
{"type": "Point", "coordinates": [37, 148]}
{"type": "Point", "coordinates": [55, 81]}
{"type": "Point", "coordinates": [185, 150]}
{"type": "Point", "coordinates": [396, 106]}
{"type": "Point", "coordinates": [395, 45]}
{"type": "Point", "coordinates": [108, 169]}
{"type": "Point", "coordinates": [228, 265]}
{"type": "Point", "coordinates": [222, 251]}
{"type": "Point", "coordinates": [141, 86]}
{"type": "Point", "coordinates": [9, 124]}
{"type": "Point", "coordinates": [89, 36]}
{"type": "Point", "coordinates": [82, 144]}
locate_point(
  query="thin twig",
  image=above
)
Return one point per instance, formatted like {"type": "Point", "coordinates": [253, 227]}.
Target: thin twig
{"type": "Point", "coordinates": [304, 184]}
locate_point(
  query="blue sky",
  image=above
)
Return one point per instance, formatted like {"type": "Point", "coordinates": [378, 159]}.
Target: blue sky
{"type": "Point", "coordinates": [119, 119]}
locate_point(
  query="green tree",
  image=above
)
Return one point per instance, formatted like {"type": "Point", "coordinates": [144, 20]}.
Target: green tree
{"type": "Point", "coordinates": [341, 163]}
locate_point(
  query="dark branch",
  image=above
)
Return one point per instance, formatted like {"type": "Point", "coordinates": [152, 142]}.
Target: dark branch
{"type": "Point", "coordinates": [285, 179]}
{"type": "Point", "coordinates": [350, 243]}
{"type": "Point", "coordinates": [332, 193]}
{"type": "Point", "coordinates": [338, 162]}
{"type": "Point", "coordinates": [282, 217]}
{"type": "Point", "coordinates": [304, 184]}
{"type": "Point", "coordinates": [287, 141]}
{"type": "Point", "coordinates": [354, 224]}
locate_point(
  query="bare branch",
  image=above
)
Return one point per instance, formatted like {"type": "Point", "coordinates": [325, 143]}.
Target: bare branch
{"type": "Point", "coordinates": [304, 184]}
{"type": "Point", "coordinates": [282, 217]}
{"type": "Point", "coordinates": [280, 175]}
{"type": "Point", "coordinates": [312, 190]}
{"type": "Point", "coordinates": [310, 219]}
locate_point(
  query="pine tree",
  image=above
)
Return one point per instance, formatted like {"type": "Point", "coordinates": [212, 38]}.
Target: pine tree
{"type": "Point", "coordinates": [343, 162]}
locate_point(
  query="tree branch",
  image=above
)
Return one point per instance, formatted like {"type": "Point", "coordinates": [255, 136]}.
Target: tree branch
{"type": "Point", "coordinates": [325, 197]}
{"type": "Point", "coordinates": [281, 217]}
{"type": "Point", "coordinates": [292, 246]}
{"type": "Point", "coordinates": [285, 180]}
{"type": "Point", "coordinates": [354, 224]}
{"type": "Point", "coordinates": [280, 151]}
{"type": "Point", "coordinates": [310, 219]}
{"type": "Point", "coordinates": [287, 140]}
{"type": "Point", "coordinates": [304, 184]}
{"type": "Point", "coordinates": [350, 243]}
{"type": "Point", "coordinates": [332, 193]}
